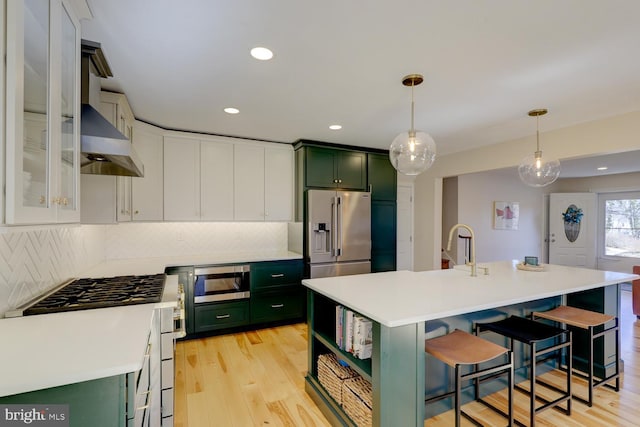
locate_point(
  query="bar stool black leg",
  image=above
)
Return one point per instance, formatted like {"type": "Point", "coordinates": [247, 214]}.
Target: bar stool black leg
{"type": "Point", "coordinates": [617, 333]}
{"type": "Point", "coordinates": [590, 401]}
{"type": "Point", "coordinates": [510, 384]}
{"type": "Point", "coordinates": [457, 394]}
{"type": "Point", "coordinates": [532, 401]}
{"type": "Point", "coordinates": [569, 367]}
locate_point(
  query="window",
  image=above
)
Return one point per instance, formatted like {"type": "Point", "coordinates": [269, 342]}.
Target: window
{"type": "Point", "coordinates": [621, 224]}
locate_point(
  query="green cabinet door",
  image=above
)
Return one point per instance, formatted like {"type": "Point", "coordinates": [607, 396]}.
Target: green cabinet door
{"type": "Point", "coordinates": [382, 177]}
{"type": "Point", "coordinates": [383, 236]}
{"type": "Point", "coordinates": [320, 167]}
{"type": "Point", "coordinates": [351, 170]}
{"type": "Point", "coordinates": [98, 403]}
{"type": "Point", "coordinates": [221, 315]}
{"type": "Point", "coordinates": [333, 168]}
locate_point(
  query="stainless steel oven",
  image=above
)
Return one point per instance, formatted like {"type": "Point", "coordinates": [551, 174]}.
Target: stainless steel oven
{"type": "Point", "coordinates": [221, 283]}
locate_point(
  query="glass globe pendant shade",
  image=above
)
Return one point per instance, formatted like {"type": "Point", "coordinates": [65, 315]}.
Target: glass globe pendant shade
{"type": "Point", "coordinates": [412, 152]}
{"type": "Point", "coordinates": [536, 171]}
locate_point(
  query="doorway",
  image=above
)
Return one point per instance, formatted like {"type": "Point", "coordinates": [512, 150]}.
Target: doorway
{"type": "Point", "coordinates": [405, 227]}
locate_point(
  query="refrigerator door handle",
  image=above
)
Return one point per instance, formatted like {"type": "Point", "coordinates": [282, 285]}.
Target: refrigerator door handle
{"type": "Point", "coordinates": [339, 228]}
{"type": "Point", "coordinates": [334, 226]}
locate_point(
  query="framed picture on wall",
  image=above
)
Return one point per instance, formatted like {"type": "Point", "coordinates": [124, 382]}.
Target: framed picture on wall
{"type": "Point", "coordinates": [505, 215]}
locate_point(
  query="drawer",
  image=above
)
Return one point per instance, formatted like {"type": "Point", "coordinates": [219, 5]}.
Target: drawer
{"type": "Point", "coordinates": [278, 306]}
{"type": "Point", "coordinates": [210, 317]}
{"type": "Point", "coordinates": [167, 373]}
{"type": "Point", "coordinates": [166, 351]}
{"type": "Point", "coordinates": [275, 273]}
{"type": "Point", "coordinates": [167, 404]}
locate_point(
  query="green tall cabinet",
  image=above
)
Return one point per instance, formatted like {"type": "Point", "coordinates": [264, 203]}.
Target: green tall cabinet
{"type": "Point", "coordinates": [382, 178]}
{"type": "Point", "coordinates": [329, 166]}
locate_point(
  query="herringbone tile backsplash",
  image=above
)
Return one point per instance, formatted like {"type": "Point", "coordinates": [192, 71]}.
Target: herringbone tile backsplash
{"type": "Point", "coordinates": [33, 261]}
{"type": "Point", "coordinates": [135, 240]}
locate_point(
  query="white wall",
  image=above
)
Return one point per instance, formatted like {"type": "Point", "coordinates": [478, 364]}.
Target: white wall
{"type": "Point", "coordinates": [586, 139]}
{"type": "Point", "coordinates": [476, 194]}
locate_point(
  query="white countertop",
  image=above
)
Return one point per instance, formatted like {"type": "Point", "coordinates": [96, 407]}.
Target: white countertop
{"type": "Point", "coordinates": [50, 350]}
{"type": "Point", "coordinates": [400, 298]}
{"type": "Point", "coordinates": [55, 349]}
{"type": "Point", "coordinates": [63, 348]}
{"type": "Point", "coordinates": [139, 266]}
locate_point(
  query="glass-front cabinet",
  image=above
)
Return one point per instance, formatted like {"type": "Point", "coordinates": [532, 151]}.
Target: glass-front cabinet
{"type": "Point", "coordinates": [42, 114]}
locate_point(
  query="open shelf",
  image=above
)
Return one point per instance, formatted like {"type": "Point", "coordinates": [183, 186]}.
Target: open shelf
{"type": "Point", "coordinates": [361, 366]}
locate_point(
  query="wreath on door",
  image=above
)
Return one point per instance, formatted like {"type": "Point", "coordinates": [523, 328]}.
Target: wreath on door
{"type": "Point", "coordinates": [572, 217]}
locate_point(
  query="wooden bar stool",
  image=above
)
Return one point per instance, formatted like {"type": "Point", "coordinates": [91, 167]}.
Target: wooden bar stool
{"type": "Point", "coordinates": [588, 320]}
{"type": "Point", "coordinates": [536, 334]}
{"type": "Point", "coordinates": [460, 348]}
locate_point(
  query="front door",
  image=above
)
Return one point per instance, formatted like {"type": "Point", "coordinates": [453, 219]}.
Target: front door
{"type": "Point", "coordinates": [572, 229]}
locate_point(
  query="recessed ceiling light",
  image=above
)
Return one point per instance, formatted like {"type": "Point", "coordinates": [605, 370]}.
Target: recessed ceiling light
{"type": "Point", "coordinates": [335, 127]}
{"type": "Point", "coordinates": [231, 110]}
{"type": "Point", "coordinates": [261, 53]}
{"type": "Point", "coordinates": [603, 168]}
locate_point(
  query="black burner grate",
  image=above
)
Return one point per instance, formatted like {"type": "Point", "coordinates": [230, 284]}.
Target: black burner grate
{"type": "Point", "coordinates": [83, 294]}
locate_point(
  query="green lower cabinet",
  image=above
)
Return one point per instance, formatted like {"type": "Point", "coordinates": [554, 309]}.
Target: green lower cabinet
{"type": "Point", "coordinates": [281, 305]}
{"type": "Point", "coordinates": [275, 274]}
{"type": "Point", "coordinates": [96, 403]}
{"type": "Point", "coordinates": [209, 317]}
{"type": "Point", "coordinates": [601, 300]}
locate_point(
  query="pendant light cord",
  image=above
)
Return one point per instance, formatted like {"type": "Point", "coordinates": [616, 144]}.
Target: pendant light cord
{"type": "Point", "coordinates": [411, 132]}
{"type": "Point", "coordinates": [538, 133]}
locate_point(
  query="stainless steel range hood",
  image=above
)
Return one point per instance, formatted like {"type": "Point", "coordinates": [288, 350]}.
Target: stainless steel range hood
{"type": "Point", "coordinates": [105, 150]}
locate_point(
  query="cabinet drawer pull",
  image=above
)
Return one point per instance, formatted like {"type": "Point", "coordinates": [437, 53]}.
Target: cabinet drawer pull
{"type": "Point", "coordinates": [223, 316]}
{"type": "Point", "coordinates": [275, 276]}
{"type": "Point", "coordinates": [277, 305]}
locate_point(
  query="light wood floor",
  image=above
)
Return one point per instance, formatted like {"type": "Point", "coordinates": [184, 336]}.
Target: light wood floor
{"type": "Point", "coordinates": [257, 379]}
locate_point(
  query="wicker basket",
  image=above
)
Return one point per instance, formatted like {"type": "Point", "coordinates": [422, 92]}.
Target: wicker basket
{"type": "Point", "coordinates": [357, 400]}
{"type": "Point", "coordinates": [332, 374]}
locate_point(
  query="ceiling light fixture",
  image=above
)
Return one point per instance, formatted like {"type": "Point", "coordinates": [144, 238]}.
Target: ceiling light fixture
{"type": "Point", "coordinates": [261, 53]}
{"type": "Point", "coordinates": [534, 170]}
{"type": "Point", "coordinates": [231, 110]}
{"type": "Point", "coordinates": [335, 127]}
{"type": "Point", "coordinates": [602, 168]}
{"type": "Point", "coordinates": [412, 152]}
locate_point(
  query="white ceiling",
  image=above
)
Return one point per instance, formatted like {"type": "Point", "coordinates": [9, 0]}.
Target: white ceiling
{"type": "Point", "coordinates": [486, 63]}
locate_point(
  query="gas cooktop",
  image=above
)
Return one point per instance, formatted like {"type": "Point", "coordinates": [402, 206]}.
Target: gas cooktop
{"type": "Point", "coordinates": [88, 293]}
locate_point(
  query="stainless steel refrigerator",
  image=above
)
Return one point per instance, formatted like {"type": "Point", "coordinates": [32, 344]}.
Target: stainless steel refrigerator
{"type": "Point", "coordinates": [338, 232]}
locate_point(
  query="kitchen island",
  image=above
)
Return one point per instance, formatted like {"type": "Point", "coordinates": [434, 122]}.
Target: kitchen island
{"type": "Point", "coordinates": [401, 304]}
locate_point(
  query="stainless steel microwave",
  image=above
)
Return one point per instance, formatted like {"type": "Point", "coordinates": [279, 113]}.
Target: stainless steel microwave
{"type": "Point", "coordinates": [221, 283]}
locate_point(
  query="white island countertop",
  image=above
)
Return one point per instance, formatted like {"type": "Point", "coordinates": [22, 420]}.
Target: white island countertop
{"type": "Point", "coordinates": [51, 350]}
{"type": "Point", "coordinates": [400, 298]}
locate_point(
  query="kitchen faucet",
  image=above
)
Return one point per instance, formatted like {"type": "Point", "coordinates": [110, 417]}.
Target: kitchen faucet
{"type": "Point", "coordinates": [472, 258]}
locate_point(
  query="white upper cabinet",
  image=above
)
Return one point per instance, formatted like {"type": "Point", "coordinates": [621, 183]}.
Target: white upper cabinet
{"type": "Point", "coordinates": [147, 192]}
{"type": "Point", "coordinates": [42, 112]}
{"type": "Point", "coordinates": [263, 178]}
{"type": "Point", "coordinates": [223, 179]}
{"type": "Point", "coordinates": [248, 179]}
{"type": "Point", "coordinates": [115, 108]}
{"type": "Point", "coordinates": [278, 183]}
{"type": "Point", "coordinates": [216, 180]}
{"type": "Point", "coordinates": [181, 179]}
{"type": "Point", "coordinates": [110, 199]}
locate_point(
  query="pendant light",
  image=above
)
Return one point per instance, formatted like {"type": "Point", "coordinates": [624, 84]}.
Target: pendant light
{"type": "Point", "coordinates": [535, 170]}
{"type": "Point", "coordinates": [412, 152]}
